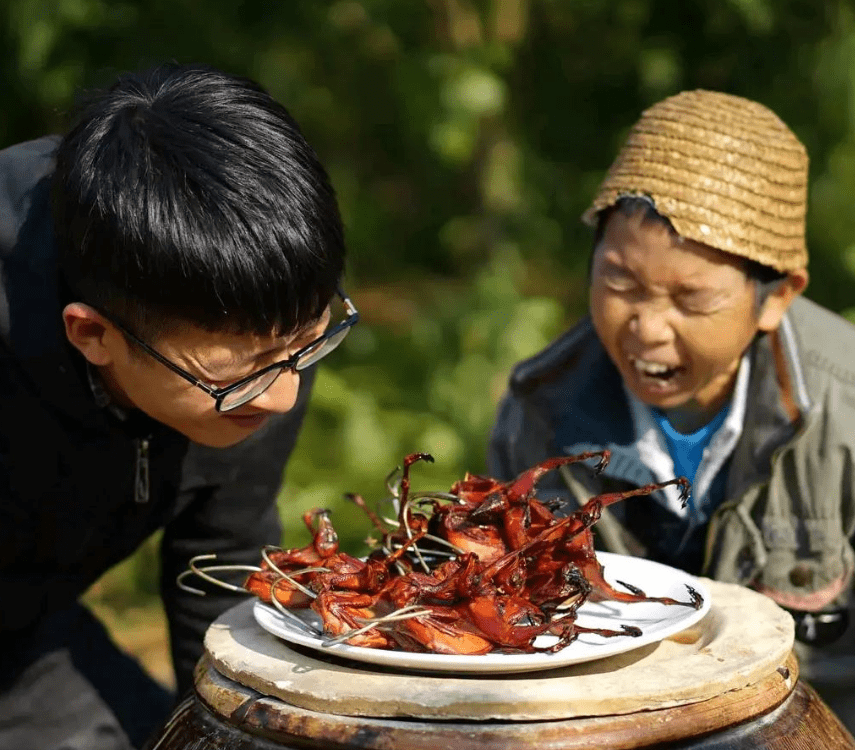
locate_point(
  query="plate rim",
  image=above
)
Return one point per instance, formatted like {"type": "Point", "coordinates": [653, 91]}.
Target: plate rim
{"type": "Point", "coordinates": [271, 620]}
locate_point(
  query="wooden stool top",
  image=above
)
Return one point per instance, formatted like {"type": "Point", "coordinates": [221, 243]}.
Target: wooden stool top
{"type": "Point", "coordinates": [743, 642]}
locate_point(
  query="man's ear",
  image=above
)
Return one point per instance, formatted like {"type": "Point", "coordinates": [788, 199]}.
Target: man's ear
{"type": "Point", "coordinates": [777, 303]}
{"type": "Point", "coordinates": [89, 332]}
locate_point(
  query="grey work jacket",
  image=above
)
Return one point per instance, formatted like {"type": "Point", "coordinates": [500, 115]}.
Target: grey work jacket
{"type": "Point", "coordinates": [786, 524]}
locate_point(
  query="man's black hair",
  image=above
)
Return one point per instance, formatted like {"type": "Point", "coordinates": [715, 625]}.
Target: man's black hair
{"type": "Point", "coordinates": [766, 278]}
{"type": "Point", "coordinates": [184, 194]}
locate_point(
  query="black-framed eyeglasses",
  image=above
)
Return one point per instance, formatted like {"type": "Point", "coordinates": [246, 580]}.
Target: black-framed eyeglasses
{"type": "Point", "coordinates": [253, 385]}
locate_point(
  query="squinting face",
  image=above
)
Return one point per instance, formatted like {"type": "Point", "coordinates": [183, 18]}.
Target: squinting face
{"type": "Point", "coordinates": [137, 380]}
{"type": "Point", "coordinates": [675, 316]}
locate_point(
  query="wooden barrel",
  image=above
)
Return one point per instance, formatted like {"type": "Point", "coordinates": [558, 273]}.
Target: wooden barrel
{"type": "Point", "coordinates": [730, 681]}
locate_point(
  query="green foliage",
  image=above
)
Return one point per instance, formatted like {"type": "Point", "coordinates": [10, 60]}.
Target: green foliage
{"type": "Point", "coordinates": [464, 139]}
{"type": "Point", "coordinates": [453, 126]}
{"type": "Point", "coordinates": [427, 380]}
{"type": "Point", "coordinates": [133, 583]}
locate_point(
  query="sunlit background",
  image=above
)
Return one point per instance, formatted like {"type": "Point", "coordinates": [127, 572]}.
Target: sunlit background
{"type": "Point", "coordinates": [464, 139]}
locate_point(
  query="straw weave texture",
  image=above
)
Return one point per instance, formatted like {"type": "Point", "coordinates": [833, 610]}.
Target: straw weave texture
{"type": "Point", "coordinates": [726, 171]}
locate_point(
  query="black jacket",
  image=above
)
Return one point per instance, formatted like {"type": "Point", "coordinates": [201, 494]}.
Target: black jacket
{"type": "Point", "coordinates": [68, 511]}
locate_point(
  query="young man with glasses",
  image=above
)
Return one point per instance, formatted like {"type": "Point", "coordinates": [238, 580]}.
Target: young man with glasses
{"type": "Point", "coordinates": [170, 274]}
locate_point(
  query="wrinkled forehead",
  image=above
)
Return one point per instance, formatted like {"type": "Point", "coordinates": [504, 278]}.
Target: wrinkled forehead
{"type": "Point", "coordinates": [237, 346]}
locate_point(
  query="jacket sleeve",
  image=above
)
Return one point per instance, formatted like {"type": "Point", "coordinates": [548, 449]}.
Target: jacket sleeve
{"type": "Point", "coordinates": [521, 438]}
{"type": "Point", "coordinates": [228, 507]}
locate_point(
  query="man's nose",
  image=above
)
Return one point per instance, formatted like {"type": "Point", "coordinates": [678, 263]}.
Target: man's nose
{"type": "Point", "coordinates": [650, 322]}
{"type": "Point", "coordinates": [281, 396]}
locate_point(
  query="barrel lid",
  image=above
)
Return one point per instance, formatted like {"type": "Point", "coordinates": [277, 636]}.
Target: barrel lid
{"type": "Point", "coordinates": [722, 652]}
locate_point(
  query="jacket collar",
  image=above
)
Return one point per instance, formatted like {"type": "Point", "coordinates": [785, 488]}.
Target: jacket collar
{"type": "Point", "coordinates": [32, 336]}
{"type": "Point", "coordinates": [779, 405]}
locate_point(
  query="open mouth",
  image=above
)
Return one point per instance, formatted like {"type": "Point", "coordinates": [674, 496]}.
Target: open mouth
{"type": "Point", "coordinates": [657, 371]}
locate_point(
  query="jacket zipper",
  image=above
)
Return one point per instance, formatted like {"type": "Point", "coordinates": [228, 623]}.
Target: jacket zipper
{"type": "Point", "coordinates": [141, 478]}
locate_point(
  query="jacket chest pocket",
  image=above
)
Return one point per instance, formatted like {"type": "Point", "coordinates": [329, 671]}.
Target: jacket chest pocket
{"type": "Point", "coordinates": [809, 563]}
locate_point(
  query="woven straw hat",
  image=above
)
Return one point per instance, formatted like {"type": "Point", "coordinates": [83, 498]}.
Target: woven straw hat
{"type": "Point", "coordinates": [726, 171]}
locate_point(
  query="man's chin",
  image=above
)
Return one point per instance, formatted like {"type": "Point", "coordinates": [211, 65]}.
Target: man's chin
{"type": "Point", "coordinates": [660, 399]}
{"type": "Point", "coordinates": [222, 438]}
{"type": "Point", "coordinates": [214, 443]}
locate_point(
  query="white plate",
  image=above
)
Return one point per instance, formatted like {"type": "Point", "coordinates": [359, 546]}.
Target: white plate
{"type": "Point", "coordinates": [657, 621]}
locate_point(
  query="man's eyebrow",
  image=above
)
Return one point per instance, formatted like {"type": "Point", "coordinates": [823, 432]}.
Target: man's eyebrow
{"type": "Point", "coordinates": [223, 365]}
{"type": "Point", "coordinates": [219, 370]}
{"type": "Point", "coordinates": [697, 282]}
{"type": "Point", "coordinates": [236, 362]}
{"type": "Point", "coordinates": [695, 286]}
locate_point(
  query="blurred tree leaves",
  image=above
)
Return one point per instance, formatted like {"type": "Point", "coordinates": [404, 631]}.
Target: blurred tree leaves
{"type": "Point", "coordinates": [432, 389]}
{"type": "Point", "coordinates": [464, 138]}
{"type": "Point", "coordinates": [451, 126]}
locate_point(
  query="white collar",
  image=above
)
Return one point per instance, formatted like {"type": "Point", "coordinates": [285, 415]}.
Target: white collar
{"type": "Point", "coordinates": [653, 452]}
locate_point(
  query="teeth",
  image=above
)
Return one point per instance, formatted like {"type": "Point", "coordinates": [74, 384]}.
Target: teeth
{"type": "Point", "coordinates": [651, 368]}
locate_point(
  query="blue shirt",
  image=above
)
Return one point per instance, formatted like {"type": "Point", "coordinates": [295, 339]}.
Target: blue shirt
{"type": "Point", "coordinates": [687, 451]}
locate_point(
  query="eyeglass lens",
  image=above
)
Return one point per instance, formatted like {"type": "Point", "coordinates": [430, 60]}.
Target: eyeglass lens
{"type": "Point", "coordinates": [320, 350]}
{"type": "Point", "coordinates": [249, 390]}
{"type": "Point", "coordinates": [254, 388]}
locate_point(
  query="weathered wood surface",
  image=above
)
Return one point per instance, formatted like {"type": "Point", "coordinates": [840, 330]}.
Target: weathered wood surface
{"type": "Point", "coordinates": [256, 722]}
{"type": "Point", "coordinates": [717, 686]}
{"type": "Point", "coordinates": [716, 656]}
